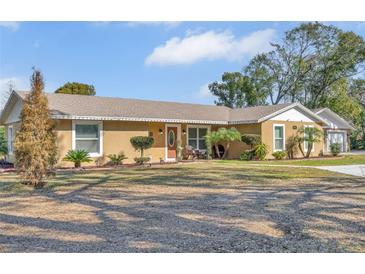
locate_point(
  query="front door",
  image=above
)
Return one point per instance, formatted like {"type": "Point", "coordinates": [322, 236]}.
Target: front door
{"type": "Point", "coordinates": [171, 142]}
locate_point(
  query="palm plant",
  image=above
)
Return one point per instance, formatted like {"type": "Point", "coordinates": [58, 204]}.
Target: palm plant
{"type": "Point", "coordinates": [261, 151]}
{"type": "Point", "coordinates": [117, 159]}
{"type": "Point", "coordinates": [229, 135]}
{"type": "Point", "coordinates": [77, 157]}
{"type": "Point", "coordinates": [212, 139]}
{"type": "Point", "coordinates": [311, 135]}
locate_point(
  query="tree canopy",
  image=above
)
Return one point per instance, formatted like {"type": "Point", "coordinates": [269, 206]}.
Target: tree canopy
{"type": "Point", "coordinates": [76, 88]}
{"type": "Point", "coordinates": [315, 64]}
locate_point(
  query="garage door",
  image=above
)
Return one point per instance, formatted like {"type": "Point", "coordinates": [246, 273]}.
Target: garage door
{"type": "Point", "coordinates": [336, 137]}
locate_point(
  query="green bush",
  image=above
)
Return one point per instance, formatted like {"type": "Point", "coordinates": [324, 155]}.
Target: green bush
{"type": "Point", "coordinates": [140, 143]}
{"type": "Point", "coordinates": [3, 143]}
{"type": "Point", "coordinates": [142, 160]}
{"type": "Point", "coordinates": [77, 157]}
{"type": "Point", "coordinates": [279, 155]}
{"type": "Point", "coordinates": [335, 149]}
{"type": "Point", "coordinates": [117, 159]}
{"type": "Point", "coordinates": [247, 155]}
{"type": "Point", "coordinates": [251, 139]}
{"type": "Point", "coordinates": [261, 151]}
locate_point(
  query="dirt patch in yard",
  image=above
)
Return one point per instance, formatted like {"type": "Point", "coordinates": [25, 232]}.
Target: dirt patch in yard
{"type": "Point", "coordinates": [207, 207]}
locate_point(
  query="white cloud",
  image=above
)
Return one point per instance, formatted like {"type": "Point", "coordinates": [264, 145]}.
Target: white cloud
{"type": "Point", "coordinates": [10, 25]}
{"type": "Point", "coordinates": [167, 24]}
{"type": "Point", "coordinates": [204, 91]}
{"type": "Point", "coordinates": [210, 45]}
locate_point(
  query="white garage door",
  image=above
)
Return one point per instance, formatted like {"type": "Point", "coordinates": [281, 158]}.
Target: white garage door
{"type": "Point", "coordinates": [336, 137]}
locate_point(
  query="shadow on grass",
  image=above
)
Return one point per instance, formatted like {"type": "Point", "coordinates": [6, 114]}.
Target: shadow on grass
{"type": "Point", "coordinates": [213, 211]}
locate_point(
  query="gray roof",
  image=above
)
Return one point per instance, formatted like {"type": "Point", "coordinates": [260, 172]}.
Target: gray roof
{"type": "Point", "coordinates": [254, 114]}
{"type": "Point", "coordinates": [66, 106]}
{"type": "Point", "coordinates": [333, 119]}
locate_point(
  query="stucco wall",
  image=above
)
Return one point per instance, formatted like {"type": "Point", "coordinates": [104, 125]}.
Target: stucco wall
{"type": "Point", "coordinates": [267, 135]}
{"type": "Point", "coordinates": [237, 148]}
{"type": "Point", "coordinates": [116, 138]}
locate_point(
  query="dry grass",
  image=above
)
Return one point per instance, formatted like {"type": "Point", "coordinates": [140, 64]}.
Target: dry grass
{"type": "Point", "coordinates": [201, 207]}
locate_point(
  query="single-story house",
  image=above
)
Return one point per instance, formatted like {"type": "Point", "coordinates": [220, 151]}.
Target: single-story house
{"type": "Point", "coordinates": [337, 129]}
{"type": "Point", "coordinates": [104, 125]}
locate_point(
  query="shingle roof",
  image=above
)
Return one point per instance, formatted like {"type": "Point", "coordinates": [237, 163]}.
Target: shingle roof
{"type": "Point", "coordinates": [68, 106]}
{"type": "Point", "coordinates": [253, 114]}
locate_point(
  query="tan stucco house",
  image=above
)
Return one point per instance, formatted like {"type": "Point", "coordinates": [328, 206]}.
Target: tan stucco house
{"type": "Point", "coordinates": [104, 125]}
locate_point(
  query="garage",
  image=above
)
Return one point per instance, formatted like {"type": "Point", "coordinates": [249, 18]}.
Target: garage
{"type": "Point", "coordinates": [336, 137]}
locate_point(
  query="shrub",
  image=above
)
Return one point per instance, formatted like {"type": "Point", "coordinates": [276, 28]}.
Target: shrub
{"type": "Point", "coordinates": [247, 155]}
{"type": "Point", "coordinates": [142, 160]}
{"type": "Point", "coordinates": [3, 144]}
{"type": "Point", "coordinates": [77, 157]}
{"type": "Point", "coordinates": [261, 151]}
{"type": "Point", "coordinates": [279, 155]}
{"type": "Point", "coordinates": [117, 159]}
{"type": "Point", "coordinates": [35, 149]}
{"type": "Point", "coordinates": [251, 139]}
{"type": "Point", "coordinates": [335, 149]}
{"type": "Point", "coordinates": [140, 143]}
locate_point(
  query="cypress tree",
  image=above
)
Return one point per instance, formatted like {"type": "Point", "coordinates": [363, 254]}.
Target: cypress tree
{"type": "Point", "coordinates": [35, 143]}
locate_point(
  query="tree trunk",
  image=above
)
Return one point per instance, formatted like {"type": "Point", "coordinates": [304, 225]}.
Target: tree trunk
{"type": "Point", "coordinates": [77, 164]}
{"type": "Point", "coordinates": [226, 151]}
{"type": "Point", "coordinates": [301, 149]}
{"type": "Point", "coordinates": [141, 152]}
{"type": "Point", "coordinates": [309, 150]}
{"type": "Point", "coordinates": [217, 150]}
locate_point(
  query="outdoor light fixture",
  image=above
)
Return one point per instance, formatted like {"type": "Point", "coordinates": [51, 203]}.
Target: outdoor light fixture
{"type": "Point", "coordinates": [294, 127]}
{"type": "Point", "coordinates": [160, 131]}
{"type": "Point", "coordinates": [184, 131]}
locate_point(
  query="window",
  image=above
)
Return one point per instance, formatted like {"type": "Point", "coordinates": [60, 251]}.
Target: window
{"type": "Point", "coordinates": [279, 137]}
{"type": "Point", "coordinates": [10, 139]}
{"type": "Point", "coordinates": [171, 138]}
{"type": "Point", "coordinates": [87, 136]}
{"type": "Point", "coordinates": [196, 137]}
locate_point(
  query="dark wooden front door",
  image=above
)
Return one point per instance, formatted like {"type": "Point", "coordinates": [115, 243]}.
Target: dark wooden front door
{"type": "Point", "coordinates": [171, 142]}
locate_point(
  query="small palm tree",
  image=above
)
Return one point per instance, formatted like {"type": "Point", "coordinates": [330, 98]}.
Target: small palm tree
{"type": "Point", "coordinates": [117, 159]}
{"type": "Point", "coordinates": [311, 135]}
{"type": "Point", "coordinates": [229, 135]}
{"type": "Point", "coordinates": [77, 157]}
{"type": "Point", "coordinates": [212, 139]}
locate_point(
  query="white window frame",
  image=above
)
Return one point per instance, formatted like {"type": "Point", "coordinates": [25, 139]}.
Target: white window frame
{"type": "Point", "coordinates": [100, 128]}
{"type": "Point", "coordinates": [10, 140]}
{"type": "Point", "coordinates": [306, 148]}
{"type": "Point", "coordinates": [273, 132]}
{"type": "Point", "coordinates": [197, 134]}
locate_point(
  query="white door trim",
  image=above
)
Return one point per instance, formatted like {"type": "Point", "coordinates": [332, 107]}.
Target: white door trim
{"type": "Point", "coordinates": [178, 126]}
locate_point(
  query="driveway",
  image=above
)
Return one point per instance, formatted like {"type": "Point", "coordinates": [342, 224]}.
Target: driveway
{"type": "Point", "coordinates": [355, 170]}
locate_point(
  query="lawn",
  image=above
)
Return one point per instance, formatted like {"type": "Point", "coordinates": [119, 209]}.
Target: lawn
{"type": "Point", "coordinates": [197, 207]}
{"type": "Point", "coordinates": [331, 161]}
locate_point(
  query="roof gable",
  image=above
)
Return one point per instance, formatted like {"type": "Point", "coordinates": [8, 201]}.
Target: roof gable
{"type": "Point", "coordinates": [333, 119]}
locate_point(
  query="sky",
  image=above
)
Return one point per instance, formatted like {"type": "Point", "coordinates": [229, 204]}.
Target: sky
{"type": "Point", "coordinates": [169, 61]}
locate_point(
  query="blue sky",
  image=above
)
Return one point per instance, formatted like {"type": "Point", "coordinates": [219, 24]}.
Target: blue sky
{"type": "Point", "coordinates": [171, 61]}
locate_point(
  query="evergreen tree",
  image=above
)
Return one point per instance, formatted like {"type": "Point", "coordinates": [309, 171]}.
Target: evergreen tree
{"type": "Point", "coordinates": [35, 142]}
